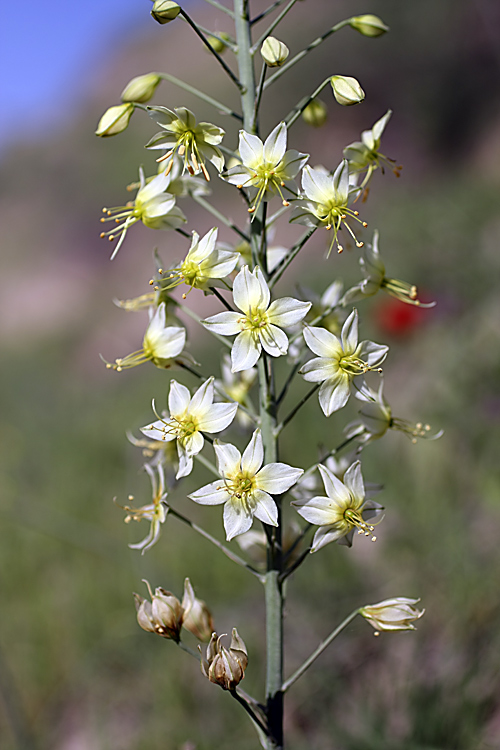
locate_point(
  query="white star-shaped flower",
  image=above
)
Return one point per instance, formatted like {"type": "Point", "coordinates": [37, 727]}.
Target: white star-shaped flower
{"type": "Point", "coordinates": [188, 419]}
{"type": "Point", "coordinates": [342, 363]}
{"type": "Point", "coordinates": [258, 327]}
{"type": "Point", "coordinates": [155, 512]}
{"type": "Point", "coordinates": [205, 262]}
{"type": "Point", "coordinates": [245, 487]}
{"type": "Point", "coordinates": [342, 511]}
{"type": "Point", "coordinates": [267, 168]}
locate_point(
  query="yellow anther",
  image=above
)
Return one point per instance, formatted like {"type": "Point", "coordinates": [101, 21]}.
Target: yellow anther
{"type": "Point", "coordinates": [151, 282]}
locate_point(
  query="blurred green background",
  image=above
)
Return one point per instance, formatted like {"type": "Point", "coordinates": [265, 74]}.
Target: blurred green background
{"type": "Point", "coordinates": [76, 672]}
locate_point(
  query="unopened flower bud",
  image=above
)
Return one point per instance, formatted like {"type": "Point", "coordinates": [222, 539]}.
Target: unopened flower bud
{"type": "Point", "coordinates": [393, 614]}
{"type": "Point", "coordinates": [369, 25]}
{"type": "Point", "coordinates": [347, 90]}
{"type": "Point", "coordinates": [217, 42]}
{"type": "Point", "coordinates": [315, 114]}
{"type": "Point", "coordinates": [115, 120]}
{"type": "Point", "coordinates": [165, 11]}
{"type": "Point", "coordinates": [274, 53]}
{"type": "Point", "coordinates": [222, 666]}
{"type": "Point", "coordinates": [141, 88]}
{"type": "Point", "coordinates": [199, 620]}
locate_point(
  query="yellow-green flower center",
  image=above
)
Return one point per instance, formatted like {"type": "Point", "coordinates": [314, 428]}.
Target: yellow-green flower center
{"type": "Point", "coordinates": [355, 520]}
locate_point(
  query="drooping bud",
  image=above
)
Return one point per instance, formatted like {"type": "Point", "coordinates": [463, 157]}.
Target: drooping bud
{"type": "Point", "coordinates": [369, 25]}
{"type": "Point", "coordinates": [165, 11]}
{"type": "Point", "coordinates": [165, 614]}
{"type": "Point", "coordinates": [141, 88]}
{"type": "Point", "coordinates": [392, 614]}
{"type": "Point", "coordinates": [274, 53]}
{"type": "Point", "coordinates": [222, 666]}
{"type": "Point", "coordinates": [218, 42]}
{"type": "Point", "coordinates": [347, 90]}
{"type": "Point", "coordinates": [315, 114]}
{"type": "Point", "coordinates": [199, 619]}
{"type": "Point", "coordinates": [115, 120]}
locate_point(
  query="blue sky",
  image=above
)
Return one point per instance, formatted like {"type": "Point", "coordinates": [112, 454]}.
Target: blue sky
{"type": "Point", "coordinates": [44, 47]}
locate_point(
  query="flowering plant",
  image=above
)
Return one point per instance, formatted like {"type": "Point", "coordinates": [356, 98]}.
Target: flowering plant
{"type": "Point", "coordinates": [249, 393]}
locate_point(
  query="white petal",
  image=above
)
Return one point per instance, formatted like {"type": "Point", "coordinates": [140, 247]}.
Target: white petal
{"type": "Point", "coordinates": [322, 342]}
{"type": "Point", "coordinates": [185, 462]}
{"type": "Point", "coordinates": [224, 323]}
{"type": "Point", "coordinates": [277, 478]}
{"type": "Point", "coordinates": [211, 494]}
{"type": "Point", "coordinates": [350, 333]}
{"type": "Point", "coordinates": [341, 181]}
{"type": "Point", "coordinates": [239, 175]}
{"type": "Point", "coordinates": [251, 149]}
{"type": "Point", "coordinates": [236, 519]}
{"type": "Point", "coordinates": [178, 399]}
{"type": "Point", "coordinates": [287, 311]}
{"type": "Point", "coordinates": [202, 399]}
{"type": "Point", "coordinates": [218, 417]}
{"type": "Point", "coordinates": [158, 430]}
{"type": "Point", "coordinates": [170, 343]}
{"type": "Point", "coordinates": [156, 322]}
{"type": "Point", "coordinates": [194, 444]}
{"type": "Point", "coordinates": [153, 188]}
{"type": "Point", "coordinates": [353, 480]}
{"type": "Point", "coordinates": [317, 510]}
{"type": "Point", "coordinates": [245, 352]}
{"type": "Point", "coordinates": [228, 459]}
{"type": "Point", "coordinates": [250, 291]}
{"type": "Point", "coordinates": [266, 509]}
{"type": "Point", "coordinates": [326, 535]}
{"type": "Point", "coordinates": [273, 340]}
{"type": "Point", "coordinates": [253, 455]}
{"type": "Point", "coordinates": [291, 164]}
{"type": "Point", "coordinates": [275, 145]}
{"type": "Point", "coordinates": [319, 369]}
{"type": "Point", "coordinates": [334, 394]}
{"type": "Point", "coordinates": [333, 486]}
{"type": "Point", "coordinates": [373, 353]}
{"type": "Point", "coordinates": [317, 185]}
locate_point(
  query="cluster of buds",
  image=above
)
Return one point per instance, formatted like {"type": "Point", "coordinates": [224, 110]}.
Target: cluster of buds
{"type": "Point", "coordinates": [225, 667]}
{"type": "Point", "coordinates": [165, 615]}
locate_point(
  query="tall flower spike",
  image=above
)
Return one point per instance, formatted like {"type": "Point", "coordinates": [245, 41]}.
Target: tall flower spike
{"type": "Point", "coordinates": [160, 344]}
{"type": "Point", "coordinates": [365, 154]}
{"type": "Point", "coordinates": [153, 206]}
{"type": "Point", "coordinates": [188, 419]}
{"type": "Point", "coordinates": [205, 263]}
{"type": "Point", "coordinates": [257, 328]}
{"type": "Point", "coordinates": [194, 143]}
{"type": "Point", "coordinates": [374, 271]}
{"type": "Point", "coordinates": [342, 363]}
{"type": "Point", "coordinates": [266, 168]}
{"type": "Point", "coordinates": [156, 512]}
{"type": "Point", "coordinates": [246, 488]}
{"type": "Point", "coordinates": [327, 204]}
{"type": "Point", "coordinates": [344, 510]}
{"type": "Point", "coordinates": [376, 418]}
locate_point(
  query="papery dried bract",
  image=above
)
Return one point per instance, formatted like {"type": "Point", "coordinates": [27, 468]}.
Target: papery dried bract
{"type": "Point", "coordinates": [165, 614]}
{"type": "Point", "coordinates": [225, 667]}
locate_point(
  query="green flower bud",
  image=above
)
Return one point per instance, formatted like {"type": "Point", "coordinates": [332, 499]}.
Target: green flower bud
{"type": "Point", "coordinates": [217, 43]}
{"type": "Point", "coordinates": [315, 114]}
{"type": "Point", "coordinates": [141, 88]}
{"type": "Point", "coordinates": [274, 53]}
{"type": "Point", "coordinates": [369, 25]}
{"type": "Point", "coordinates": [165, 11]}
{"type": "Point", "coordinates": [115, 120]}
{"type": "Point", "coordinates": [347, 90]}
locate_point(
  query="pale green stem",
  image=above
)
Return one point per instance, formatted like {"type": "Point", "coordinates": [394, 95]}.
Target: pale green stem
{"type": "Point", "coordinates": [305, 52]}
{"type": "Point", "coordinates": [260, 90]}
{"type": "Point", "coordinates": [229, 553]}
{"type": "Point", "coordinates": [322, 646]}
{"type": "Point", "coordinates": [300, 107]}
{"type": "Point", "coordinates": [200, 94]}
{"type": "Point", "coordinates": [271, 28]}
{"type": "Point", "coordinates": [221, 7]}
{"type": "Point", "coordinates": [188, 650]}
{"type": "Point", "coordinates": [280, 270]}
{"type": "Point", "coordinates": [212, 210]}
{"type": "Point", "coordinates": [205, 41]}
{"type": "Point", "coordinates": [245, 61]}
{"type": "Point", "coordinates": [267, 11]}
{"type": "Point", "coordinates": [196, 317]}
